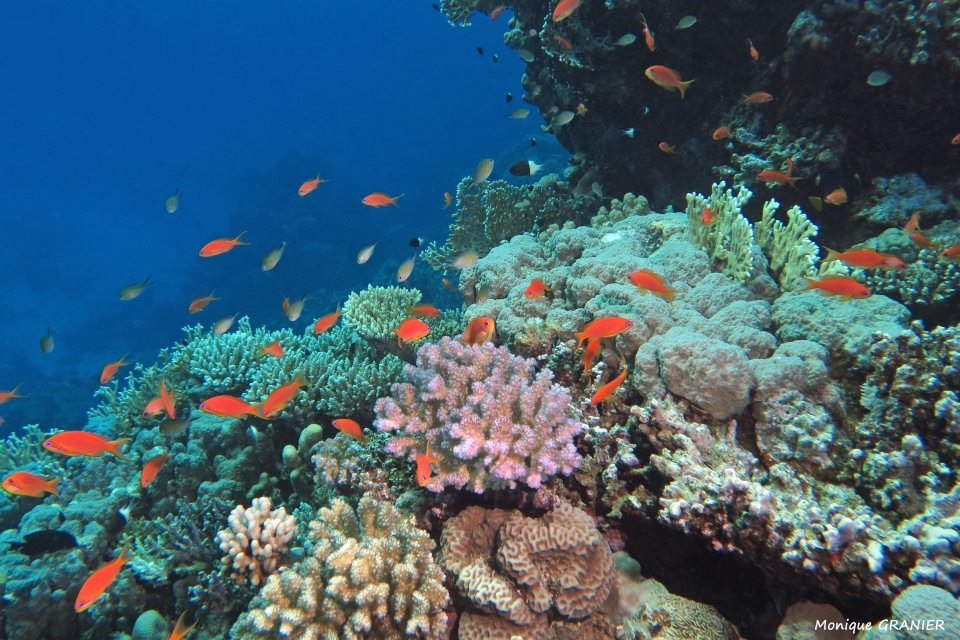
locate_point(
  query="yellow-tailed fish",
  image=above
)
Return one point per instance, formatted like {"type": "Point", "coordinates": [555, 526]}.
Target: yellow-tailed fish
{"type": "Point", "coordinates": [46, 342]}
{"type": "Point", "coordinates": [223, 325]}
{"type": "Point", "coordinates": [563, 118]}
{"type": "Point", "coordinates": [406, 268]}
{"type": "Point", "coordinates": [464, 260]}
{"type": "Point", "coordinates": [131, 291]}
{"type": "Point", "coordinates": [366, 252]}
{"type": "Point", "coordinates": [173, 201]}
{"type": "Point", "coordinates": [484, 169]}
{"type": "Point", "coordinates": [518, 114]}
{"type": "Point", "coordinates": [270, 260]}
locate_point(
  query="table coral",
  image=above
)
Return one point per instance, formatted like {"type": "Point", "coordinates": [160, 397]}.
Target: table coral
{"type": "Point", "coordinates": [485, 413]}
{"type": "Point", "coordinates": [257, 540]}
{"type": "Point", "coordinates": [558, 562]}
{"type": "Point", "coordinates": [370, 574]}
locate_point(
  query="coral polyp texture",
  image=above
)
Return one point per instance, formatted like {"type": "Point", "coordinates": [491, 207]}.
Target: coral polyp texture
{"type": "Point", "coordinates": [515, 570]}
{"type": "Point", "coordinates": [257, 541]}
{"type": "Point", "coordinates": [370, 574]}
{"type": "Point", "coordinates": [491, 419]}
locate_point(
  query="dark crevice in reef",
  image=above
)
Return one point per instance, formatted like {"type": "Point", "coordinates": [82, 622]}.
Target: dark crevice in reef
{"type": "Point", "coordinates": [752, 599]}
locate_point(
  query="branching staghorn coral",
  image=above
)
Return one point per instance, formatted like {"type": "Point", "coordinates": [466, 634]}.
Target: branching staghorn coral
{"type": "Point", "coordinates": [729, 240]}
{"type": "Point", "coordinates": [792, 254]}
{"type": "Point", "coordinates": [492, 421]}
{"type": "Point", "coordinates": [20, 450]}
{"type": "Point", "coordinates": [374, 311]}
{"type": "Point", "coordinates": [370, 574]}
{"type": "Point", "coordinates": [257, 540]}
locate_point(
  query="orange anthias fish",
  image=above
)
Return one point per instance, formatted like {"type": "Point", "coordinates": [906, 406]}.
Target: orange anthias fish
{"type": "Point", "coordinates": [496, 13]}
{"type": "Point", "coordinates": [101, 579]}
{"type": "Point", "coordinates": [668, 79]}
{"type": "Point", "coordinates": [564, 8]}
{"type": "Point", "coordinates": [110, 369]}
{"type": "Point", "coordinates": [326, 322]}
{"type": "Point", "coordinates": [222, 245]}
{"type": "Point", "coordinates": [411, 330]}
{"type": "Point", "coordinates": [956, 139]}
{"type": "Point", "coordinates": [350, 427]}
{"type": "Point", "coordinates": [274, 349]}
{"type": "Point", "coordinates": [593, 346]}
{"type": "Point", "coordinates": [292, 310]}
{"type": "Point", "coordinates": [649, 281]}
{"type": "Point", "coordinates": [603, 328]}
{"type": "Point", "coordinates": [227, 407]}
{"type": "Point", "coordinates": [647, 34]}
{"type": "Point", "coordinates": [278, 400]}
{"type": "Point", "coordinates": [200, 303]}
{"type": "Point", "coordinates": [757, 97]}
{"type": "Point", "coordinates": [378, 199]}
{"type": "Point", "coordinates": [922, 241]}
{"type": "Point", "coordinates": [23, 483]}
{"type": "Point", "coordinates": [153, 408]}
{"type": "Point", "coordinates": [424, 460]}
{"type": "Point", "coordinates": [778, 176]}
{"type": "Point", "coordinates": [912, 224]}
{"type": "Point", "coordinates": [564, 43]}
{"type": "Point", "coordinates": [151, 468]}
{"type": "Point", "coordinates": [837, 196]}
{"type": "Point", "coordinates": [753, 51]}
{"type": "Point", "coordinates": [166, 400]}
{"type": "Point", "coordinates": [84, 443]}
{"type": "Point", "coordinates": [10, 395]}
{"type": "Point", "coordinates": [310, 185]}
{"type": "Point", "coordinates": [610, 387]}
{"type": "Point", "coordinates": [663, 146]}
{"type": "Point", "coordinates": [721, 133]}
{"type": "Point", "coordinates": [843, 286]}
{"type": "Point", "coordinates": [708, 215]}
{"type": "Point", "coordinates": [182, 628]}
{"type": "Point", "coordinates": [427, 310]}
{"type": "Point", "coordinates": [447, 199]}
{"type": "Point", "coordinates": [537, 289]}
{"type": "Point", "coordinates": [449, 285]}
{"type": "Point", "coordinates": [951, 253]}
{"type": "Point", "coordinates": [865, 259]}
{"type": "Point", "coordinates": [479, 331]}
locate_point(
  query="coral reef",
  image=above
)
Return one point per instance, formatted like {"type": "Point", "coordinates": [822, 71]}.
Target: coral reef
{"type": "Point", "coordinates": [374, 311]}
{"type": "Point", "coordinates": [370, 573]}
{"type": "Point", "coordinates": [257, 540]}
{"type": "Point", "coordinates": [484, 412]}
{"type": "Point", "coordinates": [558, 562]}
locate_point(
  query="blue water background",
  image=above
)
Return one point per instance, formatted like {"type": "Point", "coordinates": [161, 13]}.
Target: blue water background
{"type": "Point", "coordinates": [107, 107]}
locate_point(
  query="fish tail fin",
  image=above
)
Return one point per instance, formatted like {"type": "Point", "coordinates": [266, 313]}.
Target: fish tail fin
{"type": "Point", "coordinates": [580, 338]}
{"type": "Point", "coordinates": [147, 281]}
{"type": "Point", "coordinates": [789, 167]}
{"type": "Point", "coordinates": [213, 291]}
{"type": "Point", "coordinates": [115, 448]}
{"type": "Point", "coordinates": [668, 294]}
{"type": "Point", "coordinates": [810, 285]}
{"type": "Point", "coordinates": [123, 360]}
{"type": "Point", "coordinates": [125, 554]}
{"type": "Point", "coordinates": [237, 239]}
{"type": "Point", "coordinates": [13, 394]}
{"type": "Point", "coordinates": [393, 201]}
{"type": "Point", "coordinates": [52, 487]}
{"type": "Point", "coordinates": [182, 628]}
{"type": "Point", "coordinates": [831, 255]}
{"type": "Point", "coordinates": [683, 87]}
{"type": "Point", "coordinates": [793, 181]}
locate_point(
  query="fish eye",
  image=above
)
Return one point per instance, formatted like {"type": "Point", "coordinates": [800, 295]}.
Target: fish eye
{"type": "Point", "coordinates": [48, 442]}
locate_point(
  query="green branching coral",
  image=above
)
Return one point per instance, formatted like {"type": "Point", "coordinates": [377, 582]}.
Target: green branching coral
{"type": "Point", "coordinates": [374, 311]}
{"type": "Point", "coordinates": [370, 574]}
{"type": "Point", "coordinates": [459, 12]}
{"type": "Point", "coordinates": [19, 451]}
{"type": "Point", "coordinates": [924, 282]}
{"type": "Point", "coordinates": [344, 372]}
{"type": "Point", "coordinates": [497, 211]}
{"type": "Point", "coordinates": [792, 253]}
{"type": "Point", "coordinates": [729, 239]}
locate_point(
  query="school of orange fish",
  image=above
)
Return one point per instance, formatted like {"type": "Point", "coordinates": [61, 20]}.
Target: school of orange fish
{"type": "Point", "coordinates": [412, 329]}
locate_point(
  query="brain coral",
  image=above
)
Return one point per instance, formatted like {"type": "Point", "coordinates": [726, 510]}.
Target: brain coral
{"type": "Point", "coordinates": [559, 562]}
{"type": "Point", "coordinates": [370, 574]}
{"type": "Point", "coordinates": [484, 411]}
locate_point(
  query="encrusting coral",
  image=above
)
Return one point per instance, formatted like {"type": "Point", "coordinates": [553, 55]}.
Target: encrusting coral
{"type": "Point", "coordinates": [558, 562]}
{"type": "Point", "coordinates": [257, 540]}
{"type": "Point", "coordinates": [490, 419]}
{"type": "Point", "coordinates": [370, 574]}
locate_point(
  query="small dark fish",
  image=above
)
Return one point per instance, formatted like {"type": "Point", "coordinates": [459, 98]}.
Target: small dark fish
{"type": "Point", "coordinates": [525, 168]}
{"type": "Point", "coordinates": [46, 541]}
{"type": "Point", "coordinates": [533, 142]}
{"type": "Point", "coordinates": [415, 242]}
{"type": "Point", "coordinates": [480, 50]}
{"type": "Point", "coordinates": [171, 427]}
{"type": "Point", "coordinates": [495, 58]}
{"type": "Point", "coordinates": [435, 6]}
{"type": "Point", "coordinates": [509, 97]}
